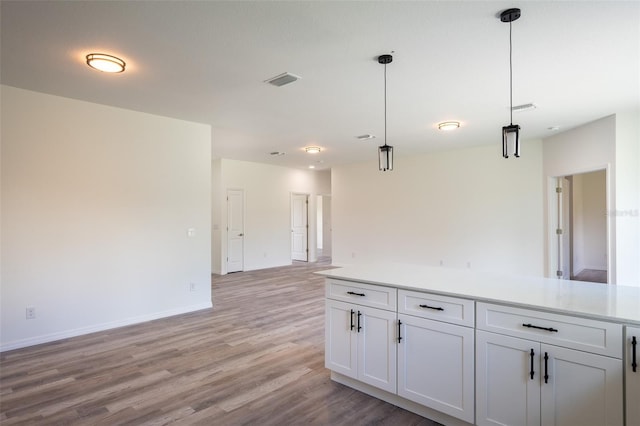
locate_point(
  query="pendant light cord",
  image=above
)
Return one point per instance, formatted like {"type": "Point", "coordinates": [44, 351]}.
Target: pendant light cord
{"type": "Point", "coordinates": [385, 104]}
{"type": "Point", "coordinates": [510, 76]}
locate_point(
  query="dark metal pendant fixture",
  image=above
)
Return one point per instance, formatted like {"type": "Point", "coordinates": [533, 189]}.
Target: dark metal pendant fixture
{"type": "Point", "coordinates": [385, 152]}
{"type": "Point", "coordinates": [510, 133]}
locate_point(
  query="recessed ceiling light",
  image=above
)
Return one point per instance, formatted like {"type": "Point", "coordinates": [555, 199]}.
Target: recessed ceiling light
{"type": "Point", "coordinates": [105, 63]}
{"type": "Point", "coordinates": [553, 128]}
{"type": "Point", "coordinates": [276, 153]}
{"type": "Point", "coordinates": [312, 166]}
{"type": "Point", "coordinates": [365, 137]}
{"type": "Point", "coordinates": [312, 149]}
{"type": "Point", "coordinates": [448, 125]}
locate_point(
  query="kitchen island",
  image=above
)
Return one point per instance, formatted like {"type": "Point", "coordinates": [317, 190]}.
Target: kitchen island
{"type": "Point", "coordinates": [462, 347]}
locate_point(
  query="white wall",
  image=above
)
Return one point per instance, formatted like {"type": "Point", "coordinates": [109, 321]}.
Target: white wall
{"type": "Point", "coordinates": [609, 143]}
{"type": "Point", "coordinates": [267, 190]}
{"type": "Point", "coordinates": [627, 204]}
{"type": "Point", "coordinates": [96, 204]}
{"type": "Point", "coordinates": [465, 208]}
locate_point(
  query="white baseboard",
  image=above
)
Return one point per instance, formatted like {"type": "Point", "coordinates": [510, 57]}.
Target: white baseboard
{"type": "Point", "coordinates": [31, 341]}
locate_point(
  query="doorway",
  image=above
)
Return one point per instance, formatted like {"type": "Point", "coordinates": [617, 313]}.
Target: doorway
{"type": "Point", "coordinates": [581, 227]}
{"type": "Point", "coordinates": [299, 227]}
{"type": "Point", "coordinates": [323, 227]}
{"type": "Point", "coordinates": [235, 230]}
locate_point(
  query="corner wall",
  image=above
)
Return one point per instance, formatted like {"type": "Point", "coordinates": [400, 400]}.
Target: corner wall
{"type": "Point", "coordinates": [610, 143]}
{"type": "Point", "coordinates": [96, 205]}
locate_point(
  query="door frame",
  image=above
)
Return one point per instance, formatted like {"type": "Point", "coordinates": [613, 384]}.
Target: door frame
{"type": "Point", "coordinates": [307, 197]}
{"type": "Point", "coordinates": [226, 231]}
{"type": "Point", "coordinates": [552, 215]}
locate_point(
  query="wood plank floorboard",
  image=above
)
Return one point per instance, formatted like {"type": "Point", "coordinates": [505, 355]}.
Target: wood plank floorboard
{"type": "Point", "coordinates": [256, 358]}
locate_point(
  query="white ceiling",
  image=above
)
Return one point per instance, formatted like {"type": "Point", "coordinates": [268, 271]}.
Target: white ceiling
{"type": "Point", "coordinates": [206, 61]}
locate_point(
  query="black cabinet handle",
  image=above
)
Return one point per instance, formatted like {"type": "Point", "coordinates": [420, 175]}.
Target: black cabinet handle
{"type": "Point", "coordinates": [355, 294]}
{"type": "Point", "coordinates": [531, 371]}
{"type": "Point", "coordinates": [546, 367]}
{"type": "Point", "coordinates": [634, 362]}
{"type": "Point", "coordinates": [359, 315]}
{"type": "Point", "coordinates": [540, 328]}
{"type": "Point", "coordinates": [435, 308]}
{"type": "Point", "coordinates": [399, 329]}
{"type": "Point", "coordinates": [351, 318]}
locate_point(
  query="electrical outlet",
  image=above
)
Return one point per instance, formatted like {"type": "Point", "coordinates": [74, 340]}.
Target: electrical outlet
{"type": "Point", "coordinates": [31, 312]}
{"type": "Point", "coordinates": [192, 286]}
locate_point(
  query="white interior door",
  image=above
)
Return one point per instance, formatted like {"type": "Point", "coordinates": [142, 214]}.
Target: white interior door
{"type": "Point", "coordinates": [299, 227]}
{"type": "Point", "coordinates": [235, 230]}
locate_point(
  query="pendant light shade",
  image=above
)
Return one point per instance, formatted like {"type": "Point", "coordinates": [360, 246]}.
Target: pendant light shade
{"type": "Point", "coordinates": [385, 152]}
{"type": "Point", "coordinates": [385, 157]}
{"type": "Point", "coordinates": [510, 133]}
{"type": "Point", "coordinates": [511, 140]}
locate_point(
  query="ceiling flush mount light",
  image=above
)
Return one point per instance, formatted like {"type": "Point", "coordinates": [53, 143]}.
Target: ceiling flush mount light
{"type": "Point", "coordinates": [282, 79]}
{"type": "Point", "coordinates": [510, 133]}
{"type": "Point", "coordinates": [105, 63]}
{"type": "Point", "coordinates": [313, 149]}
{"type": "Point", "coordinates": [385, 152]}
{"type": "Point", "coordinates": [448, 125]}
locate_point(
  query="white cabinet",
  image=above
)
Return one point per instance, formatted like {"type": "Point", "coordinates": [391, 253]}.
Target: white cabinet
{"type": "Point", "coordinates": [507, 381]}
{"type": "Point", "coordinates": [436, 364]}
{"type": "Point", "coordinates": [579, 388]}
{"type": "Point", "coordinates": [528, 382]}
{"type": "Point", "coordinates": [360, 341]}
{"type": "Point", "coordinates": [632, 374]}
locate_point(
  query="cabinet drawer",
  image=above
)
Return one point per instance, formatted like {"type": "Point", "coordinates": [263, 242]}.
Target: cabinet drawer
{"type": "Point", "coordinates": [587, 335]}
{"type": "Point", "coordinates": [375, 296]}
{"type": "Point", "coordinates": [440, 308]}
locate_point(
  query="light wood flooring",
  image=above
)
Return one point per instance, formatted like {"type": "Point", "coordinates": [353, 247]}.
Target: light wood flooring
{"type": "Point", "coordinates": [257, 357]}
{"type": "Point", "coordinates": [592, 275]}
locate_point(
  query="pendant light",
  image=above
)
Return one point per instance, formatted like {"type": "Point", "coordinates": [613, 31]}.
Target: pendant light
{"type": "Point", "coordinates": [510, 133]}
{"type": "Point", "coordinates": [385, 152]}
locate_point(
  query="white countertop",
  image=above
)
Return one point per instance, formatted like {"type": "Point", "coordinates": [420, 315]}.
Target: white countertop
{"type": "Point", "coordinates": [591, 300]}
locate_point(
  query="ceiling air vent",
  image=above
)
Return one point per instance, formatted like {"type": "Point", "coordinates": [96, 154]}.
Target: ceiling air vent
{"type": "Point", "coordinates": [365, 137]}
{"type": "Point", "coordinates": [523, 107]}
{"type": "Point", "coordinates": [282, 79]}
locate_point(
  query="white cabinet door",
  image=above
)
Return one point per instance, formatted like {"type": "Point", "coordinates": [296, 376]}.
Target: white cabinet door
{"type": "Point", "coordinates": [436, 366]}
{"type": "Point", "coordinates": [632, 375]}
{"type": "Point", "coordinates": [377, 351]}
{"type": "Point", "coordinates": [580, 388]}
{"type": "Point", "coordinates": [506, 393]}
{"type": "Point", "coordinates": [360, 342]}
{"type": "Point", "coordinates": [341, 351]}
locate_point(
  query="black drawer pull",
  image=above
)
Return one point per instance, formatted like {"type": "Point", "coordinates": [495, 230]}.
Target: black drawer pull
{"type": "Point", "coordinates": [634, 362]}
{"type": "Point", "coordinates": [540, 328]}
{"type": "Point", "coordinates": [435, 308]}
{"type": "Point", "coordinates": [355, 294]}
